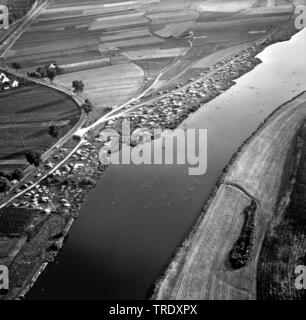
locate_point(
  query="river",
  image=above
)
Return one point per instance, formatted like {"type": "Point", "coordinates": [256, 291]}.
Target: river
{"type": "Point", "coordinates": [132, 223]}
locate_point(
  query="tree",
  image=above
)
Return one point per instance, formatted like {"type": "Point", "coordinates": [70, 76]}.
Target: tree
{"type": "Point", "coordinates": [78, 86]}
{"type": "Point", "coordinates": [42, 72]}
{"type": "Point", "coordinates": [33, 75]}
{"type": "Point", "coordinates": [87, 106]}
{"type": "Point", "coordinates": [6, 174]}
{"type": "Point", "coordinates": [16, 65]}
{"type": "Point", "coordinates": [4, 185]}
{"type": "Point", "coordinates": [17, 174]}
{"type": "Point", "coordinates": [54, 131]}
{"type": "Point", "coordinates": [51, 74]}
{"type": "Point", "coordinates": [33, 158]}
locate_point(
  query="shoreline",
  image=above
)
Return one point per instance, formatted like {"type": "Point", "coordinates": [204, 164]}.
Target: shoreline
{"type": "Point", "coordinates": [180, 258]}
{"type": "Point", "coordinates": [85, 193]}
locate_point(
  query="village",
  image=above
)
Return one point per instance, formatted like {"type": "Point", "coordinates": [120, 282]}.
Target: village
{"type": "Point", "coordinates": [63, 189]}
{"type": "Point", "coordinates": [172, 108]}
{"type": "Point", "coordinates": [66, 187]}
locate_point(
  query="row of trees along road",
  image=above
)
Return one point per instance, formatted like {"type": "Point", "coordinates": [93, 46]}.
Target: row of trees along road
{"type": "Point", "coordinates": [34, 158]}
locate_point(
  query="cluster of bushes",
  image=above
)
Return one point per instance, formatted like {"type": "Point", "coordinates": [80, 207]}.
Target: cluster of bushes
{"type": "Point", "coordinates": [50, 71]}
{"type": "Point", "coordinates": [19, 9]}
{"type": "Point", "coordinates": [15, 221]}
{"type": "Point", "coordinates": [242, 250]}
{"type": "Point", "coordinates": [16, 174]}
{"type": "Point", "coordinates": [7, 176]}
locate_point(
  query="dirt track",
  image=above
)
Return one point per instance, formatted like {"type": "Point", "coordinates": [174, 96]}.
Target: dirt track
{"type": "Point", "coordinates": [201, 269]}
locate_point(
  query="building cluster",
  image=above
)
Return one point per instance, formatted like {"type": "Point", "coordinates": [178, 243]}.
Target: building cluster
{"type": "Point", "coordinates": [56, 193]}
{"type": "Point", "coordinates": [7, 83]}
{"type": "Point", "coordinates": [172, 108]}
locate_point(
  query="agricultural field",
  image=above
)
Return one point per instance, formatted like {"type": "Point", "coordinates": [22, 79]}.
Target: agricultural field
{"type": "Point", "coordinates": [27, 113]}
{"type": "Point", "coordinates": [167, 39]}
{"type": "Point", "coordinates": [285, 241]}
{"type": "Point", "coordinates": [202, 269]}
{"type": "Point", "coordinates": [107, 86]}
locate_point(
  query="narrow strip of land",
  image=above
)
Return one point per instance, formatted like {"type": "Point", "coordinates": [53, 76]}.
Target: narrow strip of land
{"type": "Point", "coordinates": [201, 269]}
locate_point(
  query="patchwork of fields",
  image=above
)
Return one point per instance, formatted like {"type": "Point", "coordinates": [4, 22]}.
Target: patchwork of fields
{"type": "Point", "coordinates": [92, 39]}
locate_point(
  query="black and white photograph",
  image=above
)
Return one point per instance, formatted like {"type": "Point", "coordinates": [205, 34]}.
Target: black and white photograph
{"type": "Point", "coordinates": [153, 152]}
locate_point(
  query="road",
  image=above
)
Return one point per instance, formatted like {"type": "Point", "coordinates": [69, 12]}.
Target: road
{"type": "Point", "coordinates": [81, 142]}
{"type": "Point", "coordinates": [38, 7]}
{"type": "Point", "coordinates": [77, 99]}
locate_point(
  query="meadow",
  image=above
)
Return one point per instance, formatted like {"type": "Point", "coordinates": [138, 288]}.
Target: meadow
{"type": "Point", "coordinates": [26, 114]}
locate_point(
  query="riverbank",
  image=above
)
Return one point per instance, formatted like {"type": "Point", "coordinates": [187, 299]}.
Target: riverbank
{"type": "Point", "coordinates": [64, 172]}
{"type": "Point", "coordinates": [201, 268]}
{"type": "Point", "coordinates": [285, 240]}
{"type": "Point", "coordinates": [46, 215]}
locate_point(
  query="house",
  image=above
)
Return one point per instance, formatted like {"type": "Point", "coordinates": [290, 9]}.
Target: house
{"type": "Point", "coordinates": [15, 84]}
{"type": "Point", "coordinates": [6, 83]}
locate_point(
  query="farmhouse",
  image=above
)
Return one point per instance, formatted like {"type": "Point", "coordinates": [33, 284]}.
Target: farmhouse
{"type": "Point", "coordinates": [6, 83]}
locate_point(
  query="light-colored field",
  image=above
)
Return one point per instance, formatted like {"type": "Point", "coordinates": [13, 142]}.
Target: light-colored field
{"type": "Point", "coordinates": [225, 6]}
{"type": "Point", "coordinates": [174, 29]}
{"type": "Point", "coordinates": [79, 66]}
{"type": "Point", "coordinates": [239, 22]}
{"type": "Point", "coordinates": [219, 56]}
{"type": "Point", "coordinates": [173, 16]}
{"type": "Point", "coordinates": [270, 10]}
{"type": "Point", "coordinates": [130, 43]}
{"type": "Point", "coordinates": [109, 85]}
{"type": "Point", "coordinates": [119, 21]}
{"type": "Point", "coordinates": [201, 270]}
{"type": "Point", "coordinates": [155, 53]}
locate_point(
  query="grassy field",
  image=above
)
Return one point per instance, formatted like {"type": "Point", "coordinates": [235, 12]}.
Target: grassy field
{"type": "Point", "coordinates": [201, 269]}
{"type": "Point", "coordinates": [26, 114]}
{"type": "Point", "coordinates": [107, 86]}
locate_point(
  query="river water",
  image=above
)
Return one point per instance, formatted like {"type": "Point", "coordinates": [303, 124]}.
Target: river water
{"type": "Point", "coordinates": [133, 222]}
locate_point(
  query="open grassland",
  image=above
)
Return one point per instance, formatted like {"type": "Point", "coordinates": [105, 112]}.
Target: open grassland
{"type": "Point", "coordinates": [85, 35]}
{"type": "Point", "coordinates": [201, 269]}
{"type": "Point", "coordinates": [109, 85]}
{"type": "Point", "coordinates": [26, 114]}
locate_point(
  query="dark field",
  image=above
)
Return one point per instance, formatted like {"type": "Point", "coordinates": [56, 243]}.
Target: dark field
{"type": "Point", "coordinates": [284, 247]}
{"type": "Point", "coordinates": [26, 114]}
